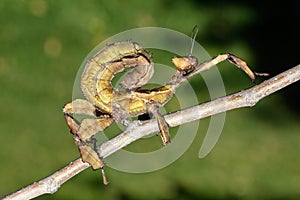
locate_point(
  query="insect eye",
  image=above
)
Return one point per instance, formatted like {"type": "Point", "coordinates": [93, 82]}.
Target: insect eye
{"type": "Point", "coordinates": [193, 61]}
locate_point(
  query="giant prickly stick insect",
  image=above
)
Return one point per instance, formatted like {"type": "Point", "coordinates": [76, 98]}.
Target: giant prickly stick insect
{"type": "Point", "coordinates": [107, 104]}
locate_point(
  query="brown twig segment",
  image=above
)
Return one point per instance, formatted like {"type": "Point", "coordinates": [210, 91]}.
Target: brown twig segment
{"type": "Point", "coordinates": [50, 184]}
{"type": "Point", "coordinates": [244, 98]}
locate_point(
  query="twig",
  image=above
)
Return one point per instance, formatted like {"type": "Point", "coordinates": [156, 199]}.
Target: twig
{"type": "Point", "coordinates": [244, 98]}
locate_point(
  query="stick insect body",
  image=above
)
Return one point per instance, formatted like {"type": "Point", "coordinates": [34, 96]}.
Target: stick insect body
{"type": "Point", "coordinates": [107, 104]}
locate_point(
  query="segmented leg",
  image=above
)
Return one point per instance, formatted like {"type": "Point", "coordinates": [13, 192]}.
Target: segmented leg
{"type": "Point", "coordinates": [220, 58]}
{"type": "Point", "coordinates": [162, 124]}
{"type": "Point", "coordinates": [177, 79]}
{"type": "Point", "coordinates": [88, 126]}
{"type": "Point", "coordinates": [83, 133]}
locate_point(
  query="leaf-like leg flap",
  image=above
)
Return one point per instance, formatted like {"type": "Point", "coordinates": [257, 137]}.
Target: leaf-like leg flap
{"type": "Point", "coordinates": [220, 58]}
{"type": "Point", "coordinates": [163, 128]}
{"type": "Point", "coordinates": [80, 106]}
{"type": "Point", "coordinates": [162, 124]}
{"type": "Point", "coordinates": [72, 124]}
{"type": "Point", "coordinates": [90, 156]}
{"type": "Point", "coordinates": [90, 127]}
{"type": "Point", "coordinates": [86, 129]}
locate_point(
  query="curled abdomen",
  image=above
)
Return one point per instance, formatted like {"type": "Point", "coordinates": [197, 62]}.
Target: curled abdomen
{"type": "Point", "coordinates": [101, 68]}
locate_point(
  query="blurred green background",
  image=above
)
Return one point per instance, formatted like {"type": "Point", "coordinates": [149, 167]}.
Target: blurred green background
{"type": "Point", "coordinates": [42, 44]}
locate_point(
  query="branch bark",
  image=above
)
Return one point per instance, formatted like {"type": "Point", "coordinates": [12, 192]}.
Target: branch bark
{"type": "Point", "coordinates": [244, 98]}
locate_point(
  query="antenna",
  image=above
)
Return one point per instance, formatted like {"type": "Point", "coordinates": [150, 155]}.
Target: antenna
{"type": "Point", "coordinates": [193, 36]}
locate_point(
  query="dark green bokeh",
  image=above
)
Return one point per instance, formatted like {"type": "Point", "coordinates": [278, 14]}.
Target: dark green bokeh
{"type": "Point", "coordinates": [42, 44]}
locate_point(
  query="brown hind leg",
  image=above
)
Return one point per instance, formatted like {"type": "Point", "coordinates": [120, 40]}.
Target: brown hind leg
{"type": "Point", "coordinates": [162, 124]}
{"type": "Point", "coordinates": [83, 132]}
